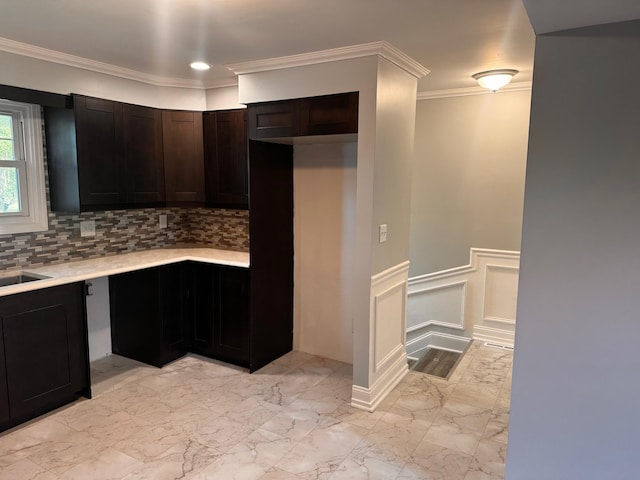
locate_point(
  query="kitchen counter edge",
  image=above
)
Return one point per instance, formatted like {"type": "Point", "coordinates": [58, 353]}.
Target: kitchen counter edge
{"type": "Point", "coordinates": [81, 270]}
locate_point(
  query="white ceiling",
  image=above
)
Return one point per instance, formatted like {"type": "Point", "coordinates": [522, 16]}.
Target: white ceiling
{"type": "Point", "coordinates": [553, 15]}
{"type": "Point", "coordinates": [452, 38]}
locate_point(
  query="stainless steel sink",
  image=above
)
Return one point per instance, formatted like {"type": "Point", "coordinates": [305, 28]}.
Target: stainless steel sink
{"type": "Point", "coordinates": [21, 277]}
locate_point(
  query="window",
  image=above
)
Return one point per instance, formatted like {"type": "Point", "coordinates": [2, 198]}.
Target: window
{"type": "Point", "coordinates": [22, 193]}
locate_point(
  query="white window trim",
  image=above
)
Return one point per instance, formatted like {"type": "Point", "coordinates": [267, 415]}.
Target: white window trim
{"type": "Point", "coordinates": [37, 218]}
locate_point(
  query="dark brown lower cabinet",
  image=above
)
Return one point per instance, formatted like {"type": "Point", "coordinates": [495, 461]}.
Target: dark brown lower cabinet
{"type": "Point", "coordinates": [44, 350]}
{"type": "Point", "coordinates": [221, 313]}
{"type": "Point", "coordinates": [159, 314]}
{"type": "Point", "coordinates": [148, 312]}
{"type": "Point", "coordinates": [5, 414]}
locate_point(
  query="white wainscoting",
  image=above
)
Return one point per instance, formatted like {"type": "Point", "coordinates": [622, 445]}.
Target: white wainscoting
{"type": "Point", "coordinates": [447, 308]}
{"type": "Point", "coordinates": [387, 344]}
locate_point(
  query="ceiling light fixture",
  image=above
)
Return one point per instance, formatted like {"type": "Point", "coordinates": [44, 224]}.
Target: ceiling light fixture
{"type": "Point", "coordinates": [494, 79]}
{"type": "Point", "coordinates": [202, 66]}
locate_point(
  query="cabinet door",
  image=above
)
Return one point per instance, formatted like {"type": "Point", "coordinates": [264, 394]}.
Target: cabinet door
{"type": "Point", "coordinates": [231, 327]}
{"type": "Point", "coordinates": [147, 316]}
{"type": "Point", "coordinates": [204, 303]}
{"type": "Point", "coordinates": [273, 119]}
{"type": "Point", "coordinates": [45, 348]}
{"type": "Point", "coordinates": [221, 313]}
{"type": "Point", "coordinates": [143, 161]}
{"type": "Point", "coordinates": [172, 312]}
{"type": "Point", "coordinates": [329, 114]}
{"type": "Point", "coordinates": [225, 153]}
{"type": "Point", "coordinates": [135, 315]}
{"type": "Point", "coordinates": [4, 394]}
{"type": "Point", "coordinates": [99, 144]}
{"type": "Point", "coordinates": [183, 156]}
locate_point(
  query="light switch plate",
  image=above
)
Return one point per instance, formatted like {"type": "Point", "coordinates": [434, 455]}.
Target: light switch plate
{"type": "Point", "coordinates": [163, 221]}
{"type": "Point", "coordinates": [88, 228]}
{"type": "Point", "coordinates": [383, 233]}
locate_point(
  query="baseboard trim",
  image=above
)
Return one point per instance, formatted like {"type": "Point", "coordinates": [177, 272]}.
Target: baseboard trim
{"type": "Point", "coordinates": [439, 340]}
{"type": "Point", "coordinates": [369, 398]}
{"type": "Point", "coordinates": [494, 335]}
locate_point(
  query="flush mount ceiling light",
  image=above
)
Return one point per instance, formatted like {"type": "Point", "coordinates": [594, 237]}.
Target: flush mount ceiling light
{"type": "Point", "coordinates": [494, 79]}
{"type": "Point", "coordinates": [202, 66]}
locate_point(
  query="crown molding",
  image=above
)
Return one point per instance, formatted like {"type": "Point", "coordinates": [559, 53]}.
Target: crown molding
{"type": "Point", "coordinates": [463, 92]}
{"type": "Point", "coordinates": [53, 56]}
{"type": "Point", "coordinates": [382, 49]}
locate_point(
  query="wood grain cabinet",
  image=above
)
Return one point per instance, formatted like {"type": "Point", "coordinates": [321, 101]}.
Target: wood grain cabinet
{"type": "Point", "coordinates": [148, 314]}
{"type": "Point", "coordinates": [104, 155]}
{"type": "Point", "coordinates": [329, 114]}
{"type": "Point", "coordinates": [44, 347]}
{"type": "Point", "coordinates": [183, 157]}
{"type": "Point", "coordinates": [99, 137]}
{"type": "Point", "coordinates": [159, 314]}
{"type": "Point", "coordinates": [4, 392]}
{"type": "Point", "coordinates": [221, 313]}
{"type": "Point", "coordinates": [323, 115]}
{"type": "Point", "coordinates": [273, 119]}
{"type": "Point", "coordinates": [225, 158]}
{"type": "Point", "coordinates": [143, 156]}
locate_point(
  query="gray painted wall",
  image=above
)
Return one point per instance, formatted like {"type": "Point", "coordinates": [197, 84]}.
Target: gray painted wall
{"type": "Point", "coordinates": [576, 394]}
{"type": "Point", "coordinates": [468, 177]}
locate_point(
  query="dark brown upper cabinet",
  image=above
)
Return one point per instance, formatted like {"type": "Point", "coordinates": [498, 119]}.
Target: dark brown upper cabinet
{"type": "Point", "coordinates": [324, 115]}
{"type": "Point", "coordinates": [225, 158]}
{"type": "Point", "coordinates": [329, 114]}
{"type": "Point", "coordinates": [99, 138]}
{"type": "Point", "coordinates": [143, 159]}
{"type": "Point", "coordinates": [104, 155]}
{"type": "Point", "coordinates": [183, 157]}
{"type": "Point", "coordinates": [273, 119]}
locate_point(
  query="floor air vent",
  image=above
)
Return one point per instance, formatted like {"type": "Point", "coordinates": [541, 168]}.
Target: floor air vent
{"type": "Point", "coordinates": [497, 345]}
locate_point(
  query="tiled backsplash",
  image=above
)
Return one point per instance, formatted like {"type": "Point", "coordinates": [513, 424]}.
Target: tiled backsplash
{"type": "Point", "coordinates": [222, 228]}
{"type": "Point", "coordinates": [123, 231]}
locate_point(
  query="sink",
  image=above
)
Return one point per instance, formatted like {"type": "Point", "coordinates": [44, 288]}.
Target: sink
{"type": "Point", "coordinates": [21, 277]}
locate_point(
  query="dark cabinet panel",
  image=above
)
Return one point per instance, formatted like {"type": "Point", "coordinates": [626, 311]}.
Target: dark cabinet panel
{"type": "Point", "coordinates": [271, 233]}
{"type": "Point", "coordinates": [225, 153]}
{"type": "Point", "coordinates": [183, 156]}
{"type": "Point", "coordinates": [273, 119]}
{"type": "Point", "coordinates": [231, 333]}
{"type": "Point", "coordinates": [4, 393]}
{"type": "Point", "coordinates": [45, 349]}
{"type": "Point", "coordinates": [174, 314]}
{"type": "Point", "coordinates": [104, 155]}
{"type": "Point", "coordinates": [148, 314]}
{"type": "Point", "coordinates": [329, 114]}
{"type": "Point", "coordinates": [324, 115]}
{"type": "Point", "coordinates": [143, 160]}
{"type": "Point", "coordinates": [204, 305]}
{"type": "Point", "coordinates": [221, 313]}
{"type": "Point", "coordinates": [135, 314]}
{"type": "Point", "coordinates": [99, 142]}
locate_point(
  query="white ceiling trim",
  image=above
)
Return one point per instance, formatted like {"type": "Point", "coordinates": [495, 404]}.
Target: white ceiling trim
{"type": "Point", "coordinates": [32, 51]}
{"type": "Point", "coordinates": [463, 92]}
{"type": "Point", "coordinates": [382, 49]}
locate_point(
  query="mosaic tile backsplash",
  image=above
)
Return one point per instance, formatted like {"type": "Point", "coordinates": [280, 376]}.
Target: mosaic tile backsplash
{"type": "Point", "coordinates": [122, 231]}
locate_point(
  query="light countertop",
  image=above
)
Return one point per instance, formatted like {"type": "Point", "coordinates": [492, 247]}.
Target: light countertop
{"type": "Point", "coordinates": [80, 270]}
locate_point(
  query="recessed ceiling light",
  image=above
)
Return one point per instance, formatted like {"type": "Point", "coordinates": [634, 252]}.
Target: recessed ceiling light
{"type": "Point", "coordinates": [200, 66]}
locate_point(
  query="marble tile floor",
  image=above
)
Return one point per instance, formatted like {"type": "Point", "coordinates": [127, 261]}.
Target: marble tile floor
{"type": "Point", "coordinates": [200, 419]}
